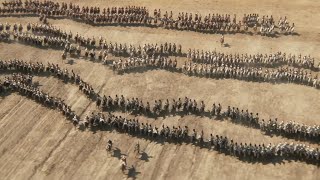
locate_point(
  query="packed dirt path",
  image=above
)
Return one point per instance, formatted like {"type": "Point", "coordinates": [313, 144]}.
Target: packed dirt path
{"type": "Point", "coordinates": [38, 143]}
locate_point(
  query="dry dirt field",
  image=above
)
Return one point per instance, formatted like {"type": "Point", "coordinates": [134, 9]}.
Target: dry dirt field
{"type": "Point", "coordinates": [38, 143]}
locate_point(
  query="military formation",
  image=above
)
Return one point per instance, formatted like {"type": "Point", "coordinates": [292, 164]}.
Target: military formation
{"type": "Point", "coordinates": [277, 67]}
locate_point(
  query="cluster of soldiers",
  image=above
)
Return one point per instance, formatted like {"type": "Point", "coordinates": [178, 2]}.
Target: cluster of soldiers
{"type": "Point", "coordinates": [179, 134]}
{"type": "Point", "coordinates": [132, 63]}
{"type": "Point", "coordinates": [290, 75]}
{"type": "Point", "coordinates": [4, 32]}
{"type": "Point", "coordinates": [42, 41]}
{"type": "Point", "coordinates": [118, 49]}
{"type": "Point", "coordinates": [267, 25]}
{"type": "Point", "coordinates": [123, 49]}
{"type": "Point", "coordinates": [38, 68]}
{"type": "Point", "coordinates": [123, 15]}
{"type": "Point", "coordinates": [7, 27]}
{"type": "Point", "coordinates": [132, 15]}
{"type": "Point", "coordinates": [271, 60]}
{"type": "Point", "coordinates": [284, 26]}
{"type": "Point", "coordinates": [136, 106]}
{"type": "Point", "coordinates": [290, 128]}
{"type": "Point", "coordinates": [221, 23]}
{"type": "Point", "coordinates": [210, 23]}
{"type": "Point", "coordinates": [57, 40]}
{"type": "Point", "coordinates": [23, 85]}
{"type": "Point", "coordinates": [49, 30]}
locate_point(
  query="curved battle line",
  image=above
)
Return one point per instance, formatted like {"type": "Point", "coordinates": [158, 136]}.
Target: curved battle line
{"type": "Point", "coordinates": [139, 16]}
{"type": "Point", "coordinates": [178, 106]}
{"type": "Point", "coordinates": [217, 69]}
{"type": "Point", "coordinates": [257, 152]}
{"type": "Point", "coordinates": [54, 36]}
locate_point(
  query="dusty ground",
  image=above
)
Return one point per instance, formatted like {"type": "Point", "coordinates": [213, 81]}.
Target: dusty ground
{"type": "Point", "coordinates": [37, 143]}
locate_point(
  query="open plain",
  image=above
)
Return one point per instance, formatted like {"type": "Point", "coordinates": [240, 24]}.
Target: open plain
{"type": "Point", "coordinates": [38, 143]}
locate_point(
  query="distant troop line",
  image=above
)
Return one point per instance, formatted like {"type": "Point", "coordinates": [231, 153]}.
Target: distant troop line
{"type": "Point", "coordinates": [141, 16]}
{"type": "Point", "coordinates": [54, 37]}
{"type": "Point", "coordinates": [161, 108]}
{"type": "Point", "coordinates": [255, 152]}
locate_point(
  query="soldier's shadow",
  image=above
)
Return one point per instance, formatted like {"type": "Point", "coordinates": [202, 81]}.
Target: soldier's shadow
{"type": "Point", "coordinates": [132, 173]}
{"type": "Point", "coordinates": [145, 157]}
{"type": "Point", "coordinates": [117, 153]}
{"type": "Point", "coordinates": [226, 45]}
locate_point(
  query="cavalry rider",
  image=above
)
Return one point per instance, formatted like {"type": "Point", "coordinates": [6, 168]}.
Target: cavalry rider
{"type": "Point", "coordinates": [137, 148]}
{"type": "Point", "coordinates": [222, 40]}
{"type": "Point", "coordinates": [109, 145]}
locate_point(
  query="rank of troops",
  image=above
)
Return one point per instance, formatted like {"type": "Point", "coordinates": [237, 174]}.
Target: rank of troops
{"type": "Point", "coordinates": [119, 49]}
{"type": "Point", "coordinates": [210, 61]}
{"type": "Point", "coordinates": [220, 70]}
{"type": "Point", "coordinates": [30, 38]}
{"type": "Point", "coordinates": [39, 68]}
{"type": "Point", "coordinates": [44, 35]}
{"type": "Point", "coordinates": [212, 64]}
{"type": "Point", "coordinates": [23, 85]}
{"type": "Point", "coordinates": [187, 106]}
{"type": "Point", "coordinates": [223, 144]}
{"type": "Point", "coordinates": [270, 61]}
{"type": "Point", "coordinates": [179, 106]}
{"type": "Point", "coordinates": [135, 15]}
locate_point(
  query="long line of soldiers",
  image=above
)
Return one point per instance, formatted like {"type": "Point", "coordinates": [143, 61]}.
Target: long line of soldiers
{"type": "Point", "coordinates": [255, 152]}
{"type": "Point", "coordinates": [188, 106]}
{"type": "Point", "coordinates": [30, 38]}
{"type": "Point", "coordinates": [135, 15]}
{"type": "Point", "coordinates": [271, 60]}
{"type": "Point", "coordinates": [216, 65]}
{"type": "Point", "coordinates": [23, 84]}
{"type": "Point", "coordinates": [217, 23]}
{"type": "Point", "coordinates": [51, 36]}
{"type": "Point", "coordinates": [61, 38]}
{"type": "Point", "coordinates": [46, 29]}
{"type": "Point", "coordinates": [223, 67]}
{"type": "Point", "coordinates": [119, 49]}
{"type": "Point", "coordinates": [220, 71]}
{"type": "Point", "coordinates": [55, 70]}
{"type": "Point", "coordinates": [175, 107]}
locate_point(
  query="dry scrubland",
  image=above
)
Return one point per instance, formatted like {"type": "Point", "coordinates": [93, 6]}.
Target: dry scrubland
{"type": "Point", "coordinates": [38, 143]}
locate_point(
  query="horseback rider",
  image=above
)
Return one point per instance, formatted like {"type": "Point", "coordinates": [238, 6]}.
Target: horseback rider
{"type": "Point", "coordinates": [137, 148]}
{"type": "Point", "coordinates": [109, 145]}
{"type": "Point", "coordinates": [222, 40]}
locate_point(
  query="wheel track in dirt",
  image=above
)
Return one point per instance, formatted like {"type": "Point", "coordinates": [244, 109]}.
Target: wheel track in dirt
{"type": "Point", "coordinates": [40, 165]}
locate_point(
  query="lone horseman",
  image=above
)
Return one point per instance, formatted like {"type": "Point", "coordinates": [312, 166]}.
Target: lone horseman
{"type": "Point", "coordinates": [109, 145]}
{"type": "Point", "coordinates": [222, 40]}
{"type": "Point", "coordinates": [123, 163]}
{"type": "Point", "coordinates": [137, 149]}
